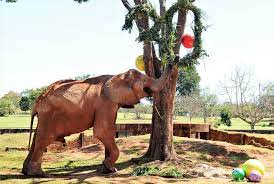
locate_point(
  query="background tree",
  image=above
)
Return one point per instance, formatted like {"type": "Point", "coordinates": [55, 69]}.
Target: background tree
{"type": "Point", "coordinates": [188, 81]}
{"type": "Point", "coordinates": [24, 103]}
{"type": "Point", "coordinates": [179, 109]}
{"type": "Point", "coordinates": [10, 1]}
{"type": "Point", "coordinates": [207, 104]}
{"type": "Point", "coordinates": [255, 111]}
{"type": "Point", "coordinates": [32, 94]}
{"type": "Point", "coordinates": [140, 109]}
{"type": "Point", "coordinates": [5, 107]}
{"type": "Point", "coordinates": [187, 84]}
{"type": "Point", "coordinates": [269, 95]}
{"type": "Point", "coordinates": [250, 105]}
{"type": "Point", "coordinates": [191, 104]}
{"type": "Point", "coordinates": [13, 97]}
{"type": "Point", "coordinates": [9, 103]}
{"type": "Point", "coordinates": [83, 77]}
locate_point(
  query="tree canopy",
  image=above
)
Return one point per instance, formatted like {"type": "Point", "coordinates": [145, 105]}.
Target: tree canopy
{"type": "Point", "coordinates": [24, 103]}
{"type": "Point", "coordinates": [188, 81]}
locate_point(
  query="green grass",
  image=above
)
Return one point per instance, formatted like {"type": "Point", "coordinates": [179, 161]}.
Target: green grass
{"type": "Point", "coordinates": [14, 140]}
{"type": "Point", "coordinates": [23, 121]}
{"type": "Point", "coordinates": [16, 121]}
{"type": "Point", "coordinates": [238, 124]}
{"type": "Point", "coordinates": [12, 160]}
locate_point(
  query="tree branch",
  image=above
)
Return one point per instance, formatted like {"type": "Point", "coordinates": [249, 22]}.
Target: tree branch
{"type": "Point", "coordinates": [143, 24]}
{"type": "Point", "coordinates": [126, 5]}
{"type": "Point", "coordinates": [162, 13]}
{"type": "Point", "coordinates": [180, 28]}
{"type": "Point", "coordinates": [156, 63]}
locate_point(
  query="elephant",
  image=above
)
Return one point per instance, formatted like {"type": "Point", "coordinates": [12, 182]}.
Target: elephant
{"type": "Point", "coordinates": [72, 106]}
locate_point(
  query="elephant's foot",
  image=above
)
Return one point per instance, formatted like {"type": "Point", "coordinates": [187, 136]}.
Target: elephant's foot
{"type": "Point", "coordinates": [108, 168]}
{"type": "Point", "coordinates": [32, 169]}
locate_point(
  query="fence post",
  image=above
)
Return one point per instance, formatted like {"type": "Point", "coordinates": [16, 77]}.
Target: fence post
{"type": "Point", "coordinates": [81, 139]}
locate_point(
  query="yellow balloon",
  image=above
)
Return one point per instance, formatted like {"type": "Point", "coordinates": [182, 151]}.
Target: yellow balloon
{"type": "Point", "coordinates": [139, 63]}
{"type": "Point", "coordinates": [253, 164]}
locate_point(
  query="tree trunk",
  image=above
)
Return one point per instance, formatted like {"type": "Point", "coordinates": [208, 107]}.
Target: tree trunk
{"type": "Point", "coordinates": [161, 138]}
{"type": "Point", "coordinates": [252, 126]}
{"type": "Point", "coordinates": [138, 115]}
{"type": "Point", "coordinates": [237, 103]}
{"type": "Point", "coordinates": [205, 116]}
{"type": "Point", "coordinates": [190, 116]}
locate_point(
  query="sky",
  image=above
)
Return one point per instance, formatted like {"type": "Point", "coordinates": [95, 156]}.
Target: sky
{"type": "Point", "coordinates": [44, 41]}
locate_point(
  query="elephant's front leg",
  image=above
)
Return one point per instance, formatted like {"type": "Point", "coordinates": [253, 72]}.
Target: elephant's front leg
{"type": "Point", "coordinates": [104, 129]}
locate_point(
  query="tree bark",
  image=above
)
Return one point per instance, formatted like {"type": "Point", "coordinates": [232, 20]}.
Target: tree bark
{"type": "Point", "coordinates": [252, 126]}
{"type": "Point", "coordinates": [190, 116]}
{"type": "Point", "coordinates": [161, 138]}
{"type": "Point", "coordinates": [205, 116]}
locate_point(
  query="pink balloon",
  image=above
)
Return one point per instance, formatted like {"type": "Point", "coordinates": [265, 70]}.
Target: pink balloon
{"type": "Point", "coordinates": [255, 176]}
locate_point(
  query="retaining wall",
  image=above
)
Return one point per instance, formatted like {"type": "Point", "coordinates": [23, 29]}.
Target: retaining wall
{"type": "Point", "coordinates": [202, 131]}
{"type": "Point", "coordinates": [240, 138]}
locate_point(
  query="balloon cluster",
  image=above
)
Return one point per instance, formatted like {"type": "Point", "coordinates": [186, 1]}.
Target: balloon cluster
{"type": "Point", "coordinates": [252, 169]}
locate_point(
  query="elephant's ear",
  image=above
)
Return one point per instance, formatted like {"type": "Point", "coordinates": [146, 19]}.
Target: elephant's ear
{"type": "Point", "coordinates": [119, 90]}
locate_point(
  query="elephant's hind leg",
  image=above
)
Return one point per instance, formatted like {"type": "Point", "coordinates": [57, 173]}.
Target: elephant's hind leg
{"type": "Point", "coordinates": [32, 164]}
{"type": "Point", "coordinates": [27, 160]}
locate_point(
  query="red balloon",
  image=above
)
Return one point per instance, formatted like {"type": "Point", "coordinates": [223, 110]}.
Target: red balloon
{"type": "Point", "coordinates": [187, 41]}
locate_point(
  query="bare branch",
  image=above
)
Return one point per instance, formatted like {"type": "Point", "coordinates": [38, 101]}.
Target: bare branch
{"type": "Point", "coordinates": [180, 28]}
{"type": "Point", "coordinates": [156, 63]}
{"type": "Point", "coordinates": [226, 90]}
{"type": "Point", "coordinates": [162, 7]}
{"type": "Point", "coordinates": [163, 27]}
{"type": "Point", "coordinates": [143, 24]}
{"type": "Point", "coordinates": [127, 5]}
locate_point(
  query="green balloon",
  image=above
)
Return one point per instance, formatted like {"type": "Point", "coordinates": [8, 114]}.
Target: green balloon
{"type": "Point", "coordinates": [238, 174]}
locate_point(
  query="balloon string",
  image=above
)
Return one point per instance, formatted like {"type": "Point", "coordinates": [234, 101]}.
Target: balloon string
{"type": "Point", "coordinates": [158, 112]}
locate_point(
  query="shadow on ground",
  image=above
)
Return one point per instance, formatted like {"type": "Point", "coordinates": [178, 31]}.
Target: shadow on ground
{"type": "Point", "coordinates": [80, 173]}
{"type": "Point", "coordinates": [212, 152]}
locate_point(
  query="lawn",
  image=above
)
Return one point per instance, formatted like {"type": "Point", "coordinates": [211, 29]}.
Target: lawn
{"type": "Point", "coordinates": [238, 124]}
{"type": "Point", "coordinates": [23, 121]}
{"type": "Point", "coordinates": [15, 121]}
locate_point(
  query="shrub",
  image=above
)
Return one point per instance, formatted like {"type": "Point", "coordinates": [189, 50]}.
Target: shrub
{"type": "Point", "coordinates": [145, 170]}
{"type": "Point", "coordinates": [225, 117]}
{"type": "Point", "coordinates": [168, 172]}
{"type": "Point", "coordinates": [24, 103]}
{"type": "Point", "coordinates": [172, 173]}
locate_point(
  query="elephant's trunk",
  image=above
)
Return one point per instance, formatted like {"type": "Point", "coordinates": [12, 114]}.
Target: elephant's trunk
{"type": "Point", "coordinates": [158, 84]}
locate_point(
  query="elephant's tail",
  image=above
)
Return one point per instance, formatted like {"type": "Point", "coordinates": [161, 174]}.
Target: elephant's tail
{"type": "Point", "coordinates": [31, 125]}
